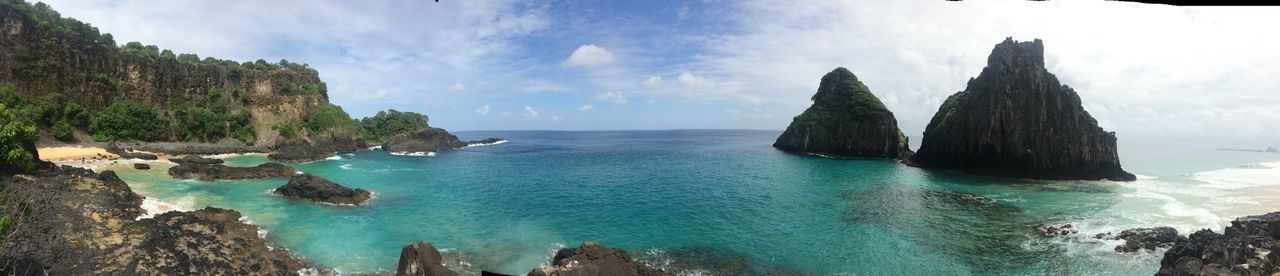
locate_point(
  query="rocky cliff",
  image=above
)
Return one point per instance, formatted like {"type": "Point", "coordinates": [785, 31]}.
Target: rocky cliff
{"type": "Point", "coordinates": [846, 120]}
{"type": "Point", "coordinates": [39, 55]}
{"type": "Point", "coordinates": [1016, 120]}
{"type": "Point", "coordinates": [1247, 247]}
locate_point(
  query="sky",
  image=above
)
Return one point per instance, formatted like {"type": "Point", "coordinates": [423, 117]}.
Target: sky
{"type": "Point", "coordinates": [1151, 73]}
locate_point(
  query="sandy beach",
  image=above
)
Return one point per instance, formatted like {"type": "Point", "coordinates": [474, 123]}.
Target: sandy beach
{"type": "Point", "coordinates": [74, 153]}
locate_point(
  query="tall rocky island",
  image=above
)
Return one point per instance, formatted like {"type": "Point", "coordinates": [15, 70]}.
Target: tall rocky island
{"type": "Point", "coordinates": [846, 121]}
{"type": "Point", "coordinates": [1016, 120]}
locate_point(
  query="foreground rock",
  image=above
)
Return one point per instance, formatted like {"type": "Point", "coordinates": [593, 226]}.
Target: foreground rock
{"type": "Point", "coordinates": [594, 259]}
{"type": "Point", "coordinates": [1145, 238]}
{"type": "Point", "coordinates": [429, 140]}
{"type": "Point", "coordinates": [222, 172]}
{"type": "Point", "coordinates": [422, 259]}
{"type": "Point", "coordinates": [80, 223]}
{"type": "Point", "coordinates": [1016, 120]}
{"type": "Point", "coordinates": [314, 188]}
{"type": "Point", "coordinates": [1247, 247]}
{"type": "Point", "coordinates": [846, 120]}
{"type": "Point", "coordinates": [323, 146]}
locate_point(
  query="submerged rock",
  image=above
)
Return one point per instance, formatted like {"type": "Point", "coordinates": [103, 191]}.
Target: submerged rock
{"type": "Point", "coordinates": [314, 188]}
{"type": "Point", "coordinates": [1050, 230]}
{"type": "Point", "coordinates": [429, 140]}
{"type": "Point", "coordinates": [1016, 120]}
{"type": "Point", "coordinates": [594, 259]}
{"type": "Point", "coordinates": [1144, 238]}
{"type": "Point", "coordinates": [846, 120]}
{"type": "Point", "coordinates": [421, 259]}
{"type": "Point", "coordinates": [1244, 248]}
{"type": "Point", "coordinates": [222, 172]}
{"type": "Point", "coordinates": [141, 166]}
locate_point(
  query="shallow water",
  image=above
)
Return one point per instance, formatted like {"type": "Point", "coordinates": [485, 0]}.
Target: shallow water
{"type": "Point", "coordinates": [725, 202]}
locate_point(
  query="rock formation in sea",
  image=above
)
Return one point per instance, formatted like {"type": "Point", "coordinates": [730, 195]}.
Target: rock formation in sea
{"type": "Point", "coordinates": [846, 120]}
{"type": "Point", "coordinates": [594, 259]}
{"type": "Point", "coordinates": [429, 140]}
{"type": "Point", "coordinates": [1248, 247]}
{"type": "Point", "coordinates": [323, 146]}
{"type": "Point", "coordinates": [1016, 120]}
{"type": "Point", "coordinates": [422, 259]}
{"type": "Point", "coordinates": [1149, 239]}
{"type": "Point", "coordinates": [315, 188]}
{"type": "Point", "coordinates": [77, 222]}
{"type": "Point", "coordinates": [211, 172]}
{"type": "Point", "coordinates": [196, 159]}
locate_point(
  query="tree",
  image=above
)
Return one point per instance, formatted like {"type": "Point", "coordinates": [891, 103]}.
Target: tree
{"type": "Point", "coordinates": [76, 115]}
{"type": "Point", "coordinates": [189, 58]}
{"type": "Point", "coordinates": [16, 134]}
{"type": "Point", "coordinates": [129, 119]}
{"type": "Point", "coordinates": [331, 117]}
{"type": "Point", "coordinates": [168, 54]}
{"type": "Point", "coordinates": [389, 123]}
{"type": "Point", "coordinates": [62, 131]}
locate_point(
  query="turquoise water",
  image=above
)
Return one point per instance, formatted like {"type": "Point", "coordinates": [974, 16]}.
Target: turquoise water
{"type": "Point", "coordinates": [725, 202]}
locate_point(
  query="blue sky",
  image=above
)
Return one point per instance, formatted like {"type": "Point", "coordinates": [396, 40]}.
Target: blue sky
{"type": "Point", "coordinates": [1148, 72]}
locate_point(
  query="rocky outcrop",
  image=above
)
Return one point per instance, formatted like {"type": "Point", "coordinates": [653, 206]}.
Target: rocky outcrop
{"type": "Point", "coordinates": [141, 166]}
{"type": "Point", "coordinates": [115, 149]}
{"type": "Point", "coordinates": [196, 160]}
{"type": "Point", "coordinates": [1016, 120]}
{"type": "Point", "coordinates": [429, 140]}
{"type": "Point", "coordinates": [38, 57]}
{"type": "Point", "coordinates": [1247, 247]}
{"type": "Point", "coordinates": [1150, 239]}
{"type": "Point", "coordinates": [326, 145]}
{"type": "Point", "coordinates": [846, 120]}
{"type": "Point", "coordinates": [222, 172]}
{"type": "Point", "coordinates": [77, 222]}
{"type": "Point", "coordinates": [422, 259]}
{"type": "Point", "coordinates": [1051, 230]}
{"type": "Point", "coordinates": [594, 259]}
{"type": "Point", "coordinates": [314, 188]}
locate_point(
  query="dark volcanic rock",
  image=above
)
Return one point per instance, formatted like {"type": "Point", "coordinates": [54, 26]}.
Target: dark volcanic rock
{"type": "Point", "coordinates": [1247, 247]}
{"type": "Point", "coordinates": [1050, 230]}
{"type": "Point", "coordinates": [429, 140]}
{"type": "Point", "coordinates": [141, 166]}
{"type": "Point", "coordinates": [115, 149]}
{"type": "Point", "coordinates": [1144, 238]}
{"type": "Point", "coordinates": [314, 188]}
{"type": "Point", "coordinates": [1016, 120]}
{"type": "Point", "coordinates": [216, 172]}
{"type": "Point", "coordinates": [846, 120]}
{"type": "Point", "coordinates": [196, 159]}
{"type": "Point", "coordinates": [421, 259]}
{"type": "Point", "coordinates": [594, 259]}
{"type": "Point", "coordinates": [325, 145]}
{"type": "Point", "coordinates": [80, 223]}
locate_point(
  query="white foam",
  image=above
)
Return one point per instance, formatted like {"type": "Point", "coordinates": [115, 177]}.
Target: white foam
{"type": "Point", "coordinates": [416, 153]}
{"type": "Point", "coordinates": [375, 148]}
{"type": "Point", "coordinates": [152, 207]}
{"type": "Point", "coordinates": [335, 157]}
{"type": "Point", "coordinates": [345, 166]}
{"type": "Point", "coordinates": [230, 155]}
{"type": "Point", "coordinates": [485, 144]}
{"type": "Point", "coordinates": [1263, 174]}
{"type": "Point", "coordinates": [1145, 177]}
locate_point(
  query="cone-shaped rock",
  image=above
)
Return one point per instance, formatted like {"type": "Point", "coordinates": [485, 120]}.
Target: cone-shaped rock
{"type": "Point", "coordinates": [1016, 120]}
{"type": "Point", "coordinates": [846, 120]}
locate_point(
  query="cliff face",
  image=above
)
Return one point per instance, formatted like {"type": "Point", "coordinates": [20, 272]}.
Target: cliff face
{"type": "Point", "coordinates": [1245, 248]}
{"type": "Point", "coordinates": [846, 120]}
{"type": "Point", "coordinates": [40, 59]}
{"type": "Point", "coordinates": [1016, 120]}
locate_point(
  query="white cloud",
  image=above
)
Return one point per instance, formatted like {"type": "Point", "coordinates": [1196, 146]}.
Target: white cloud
{"type": "Point", "coordinates": [529, 113]}
{"type": "Point", "coordinates": [587, 56]}
{"type": "Point", "coordinates": [614, 97]}
{"type": "Point", "coordinates": [653, 81]}
{"type": "Point", "coordinates": [371, 95]}
{"type": "Point", "coordinates": [505, 114]}
{"type": "Point", "coordinates": [690, 80]}
{"type": "Point", "coordinates": [457, 87]}
{"type": "Point", "coordinates": [482, 110]}
{"type": "Point", "coordinates": [585, 108]}
{"type": "Point", "coordinates": [556, 118]}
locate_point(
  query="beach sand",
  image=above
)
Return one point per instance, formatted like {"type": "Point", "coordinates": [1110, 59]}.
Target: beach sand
{"type": "Point", "coordinates": [74, 153]}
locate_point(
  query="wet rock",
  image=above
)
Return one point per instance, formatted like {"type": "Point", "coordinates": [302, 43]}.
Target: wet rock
{"type": "Point", "coordinates": [1244, 248]}
{"type": "Point", "coordinates": [594, 259]}
{"type": "Point", "coordinates": [1052, 230]}
{"type": "Point", "coordinates": [1017, 120]}
{"type": "Point", "coordinates": [222, 172]}
{"type": "Point", "coordinates": [846, 120]}
{"type": "Point", "coordinates": [314, 188]}
{"type": "Point", "coordinates": [196, 159]}
{"type": "Point", "coordinates": [976, 199]}
{"type": "Point", "coordinates": [141, 166]}
{"type": "Point", "coordinates": [1144, 238]}
{"type": "Point", "coordinates": [324, 146]}
{"type": "Point", "coordinates": [429, 140]}
{"type": "Point", "coordinates": [421, 259]}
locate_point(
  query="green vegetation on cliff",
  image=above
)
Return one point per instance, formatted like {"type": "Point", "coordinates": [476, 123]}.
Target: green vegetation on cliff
{"type": "Point", "coordinates": [15, 134]}
{"type": "Point", "coordinates": [130, 120]}
{"type": "Point", "coordinates": [845, 120]}
{"type": "Point", "coordinates": [388, 123]}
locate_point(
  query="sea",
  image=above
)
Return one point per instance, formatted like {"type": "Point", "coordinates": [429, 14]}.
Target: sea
{"type": "Point", "coordinates": [724, 202]}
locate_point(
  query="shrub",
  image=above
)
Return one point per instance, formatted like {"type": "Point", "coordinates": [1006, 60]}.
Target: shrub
{"type": "Point", "coordinates": [62, 131]}
{"type": "Point", "coordinates": [129, 119]}
{"type": "Point", "coordinates": [287, 130]}
{"type": "Point", "coordinates": [332, 117]}
{"type": "Point", "coordinates": [391, 122]}
{"type": "Point", "coordinates": [76, 115]}
{"type": "Point", "coordinates": [15, 134]}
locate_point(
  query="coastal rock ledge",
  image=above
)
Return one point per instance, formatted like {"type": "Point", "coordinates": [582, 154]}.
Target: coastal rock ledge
{"type": "Point", "coordinates": [845, 121]}
{"type": "Point", "coordinates": [429, 140]}
{"type": "Point", "coordinates": [422, 259]}
{"type": "Point", "coordinates": [594, 259]}
{"type": "Point", "coordinates": [1016, 120]}
{"type": "Point", "coordinates": [314, 188]}
{"type": "Point", "coordinates": [1247, 247]}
